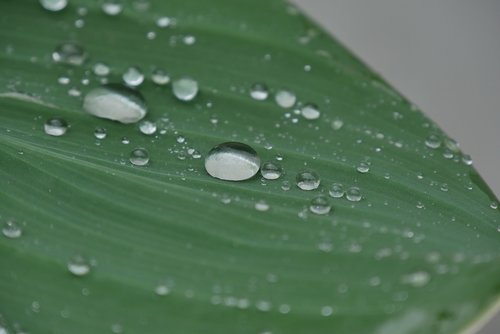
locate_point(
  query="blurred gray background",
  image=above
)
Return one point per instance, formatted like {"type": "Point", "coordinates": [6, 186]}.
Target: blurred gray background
{"type": "Point", "coordinates": [443, 55]}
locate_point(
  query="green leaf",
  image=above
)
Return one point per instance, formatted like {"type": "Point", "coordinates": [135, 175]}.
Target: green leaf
{"type": "Point", "coordinates": [418, 254]}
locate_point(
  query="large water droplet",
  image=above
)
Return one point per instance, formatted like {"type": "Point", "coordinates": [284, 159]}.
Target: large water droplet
{"type": "Point", "coordinates": [133, 76]}
{"type": "Point", "coordinates": [116, 102]}
{"type": "Point", "coordinates": [259, 91]}
{"type": "Point", "coordinates": [285, 99]}
{"type": "Point", "coordinates": [54, 5]}
{"type": "Point", "coordinates": [310, 111]}
{"type": "Point", "coordinates": [12, 230]}
{"type": "Point", "coordinates": [55, 127]}
{"type": "Point", "coordinates": [139, 157]}
{"type": "Point", "coordinates": [232, 161]}
{"type": "Point", "coordinates": [271, 170]}
{"type": "Point", "coordinates": [353, 194]}
{"type": "Point", "coordinates": [69, 53]}
{"type": "Point", "coordinates": [112, 7]}
{"type": "Point", "coordinates": [78, 266]}
{"type": "Point", "coordinates": [336, 190]}
{"type": "Point", "coordinates": [320, 205]}
{"type": "Point", "coordinates": [307, 180]}
{"type": "Point", "coordinates": [185, 89]}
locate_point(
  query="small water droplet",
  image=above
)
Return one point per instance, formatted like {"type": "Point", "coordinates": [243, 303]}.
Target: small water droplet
{"type": "Point", "coordinates": [69, 53]}
{"type": "Point", "coordinates": [307, 180]}
{"type": "Point", "coordinates": [467, 160]}
{"type": "Point", "coordinates": [12, 230]}
{"type": "Point", "coordinates": [163, 22]}
{"type": "Point", "coordinates": [133, 76]}
{"type": "Point", "coordinates": [420, 205]}
{"type": "Point", "coordinates": [101, 69]}
{"type": "Point", "coordinates": [337, 124]}
{"type": "Point", "coordinates": [326, 311]}
{"type": "Point", "coordinates": [185, 89]}
{"type": "Point", "coordinates": [116, 102]}
{"type": "Point", "coordinates": [285, 185]}
{"type": "Point", "coordinates": [232, 161]}
{"type": "Point", "coordinates": [162, 289]}
{"type": "Point", "coordinates": [320, 205]}
{"type": "Point", "coordinates": [54, 5]}
{"type": "Point", "coordinates": [417, 279]}
{"type": "Point", "coordinates": [285, 98]}
{"type": "Point", "coordinates": [336, 190]}
{"type": "Point", "coordinates": [444, 187]}
{"type": "Point", "coordinates": [259, 91]}
{"type": "Point", "coordinates": [189, 40]}
{"type": "Point", "coordinates": [139, 157]}
{"type": "Point", "coordinates": [160, 77]}
{"type": "Point", "coordinates": [147, 127]}
{"type": "Point", "coordinates": [310, 111]}
{"type": "Point", "coordinates": [125, 141]}
{"type": "Point", "coordinates": [100, 133]}
{"type": "Point", "coordinates": [55, 127]}
{"type": "Point", "coordinates": [452, 145]}
{"type": "Point", "coordinates": [112, 7]}
{"type": "Point", "coordinates": [117, 328]}
{"type": "Point", "coordinates": [78, 266]}
{"type": "Point", "coordinates": [494, 205]}
{"type": "Point", "coordinates": [261, 205]}
{"type": "Point", "coordinates": [433, 141]}
{"type": "Point", "coordinates": [363, 167]}
{"type": "Point", "coordinates": [271, 170]}
{"type": "Point", "coordinates": [63, 80]}
{"type": "Point", "coordinates": [353, 194]}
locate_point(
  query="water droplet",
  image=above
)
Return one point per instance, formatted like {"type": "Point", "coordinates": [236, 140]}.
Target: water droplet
{"type": "Point", "coordinates": [494, 205]}
{"type": "Point", "coordinates": [139, 157]}
{"type": "Point", "coordinates": [444, 187]}
{"type": "Point", "coordinates": [310, 111]}
{"type": "Point", "coordinates": [337, 124]}
{"type": "Point", "coordinates": [63, 80]}
{"type": "Point", "coordinates": [232, 161]}
{"type": "Point", "coordinates": [320, 205]}
{"type": "Point", "coordinates": [467, 160]}
{"type": "Point", "coordinates": [271, 171]}
{"type": "Point", "coordinates": [326, 311]}
{"type": "Point", "coordinates": [163, 22]}
{"type": "Point", "coordinates": [307, 180]}
{"type": "Point", "coordinates": [189, 40]}
{"type": "Point", "coordinates": [101, 69]}
{"type": "Point", "coordinates": [420, 205]}
{"type": "Point", "coordinates": [112, 7]}
{"type": "Point", "coordinates": [353, 194]}
{"type": "Point", "coordinates": [54, 5]}
{"type": "Point", "coordinates": [12, 230]}
{"type": "Point", "coordinates": [69, 53]}
{"type": "Point", "coordinates": [185, 89]}
{"type": "Point", "coordinates": [133, 76]}
{"type": "Point", "coordinates": [147, 127]}
{"type": "Point", "coordinates": [261, 205]}
{"type": "Point", "coordinates": [285, 185]}
{"type": "Point", "coordinates": [417, 279]}
{"type": "Point", "coordinates": [100, 133]}
{"type": "Point", "coordinates": [452, 145]}
{"type": "Point", "coordinates": [78, 266]}
{"type": "Point", "coordinates": [433, 141]}
{"type": "Point", "coordinates": [285, 99]}
{"type": "Point", "coordinates": [125, 141]}
{"type": "Point", "coordinates": [180, 139]}
{"type": "Point", "coordinates": [259, 91]}
{"type": "Point", "coordinates": [117, 328]}
{"type": "Point", "coordinates": [363, 167]}
{"type": "Point", "coordinates": [55, 127]}
{"type": "Point", "coordinates": [160, 77]}
{"type": "Point", "coordinates": [336, 190]}
{"type": "Point", "coordinates": [116, 102]}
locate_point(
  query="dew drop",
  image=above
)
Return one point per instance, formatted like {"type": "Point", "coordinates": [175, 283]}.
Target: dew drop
{"type": "Point", "coordinates": [160, 77]}
{"type": "Point", "coordinates": [336, 190]}
{"type": "Point", "coordinates": [147, 127]}
{"type": "Point", "coordinates": [310, 111]}
{"type": "Point", "coordinates": [185, 89]}
{"type": "Point", "coordinates": [12, 230]}
{"type": "Point", "coordinates": [162, 290]}
{"type": "Point", "coordinates": [467, 160]}
{"type": "Point", "coordinates": [363, 167]}
{"type": "Point", "coordinates": [494, 205]}
{"type": "Point", "coordinates": [285, 185]}
{"type": "Point", "coordinates": [417, 279]}
{"type": "Point", "coordinates": [112, 7]}
{"type": "Point", "coordinates": [261, 205]}
{"type": "Point", "coordinates": [433, 141]}
{"type": "Point", "coordinates": [337, 124]}
{"type": "Point", "coordinates": [285, 99]}
{"type": "Point", "coordinates": [55, 127]}
{"type": "Point", "coordinates": [232, 161]}
{"type": "Point", "coordinates": [101, 69]}
{"type": "Point", "coordinates": [259, 91]}
{"type": "Point", "coordinates": [69, 53]}
{"type": "Point", "coordinates": [163, 22]}
{"type": "Point", "coordinates": [452, 145]}
{"type": "Point", "coordinates": [54, 5]}
{"type": "Point", "coordinates": [100, 133]}
{"type": "Point", "coordinates": [189, 40]}
{"type": "Point", "coordinates": [139, 157]}
{"type": "Point", "coordinates": [271, 170]}
{"type": "Point", "coordinates": [78, 266]}
{"type": "Point", "coordinates": [320, 205]}
{"type": "Point", "coordinates": [116, 102]}
{"type": "Point", "coordinates": [133, 76]}
{"type": "Point", "coordinates": [125, 140]}
{"type": "Point", "coordinates": [326, 311]}
{"type": "Point", "coordinates": [307, 180]}
{"type": "Point", "coordinates": [353, 194]}
{"type": "Point", "coordinates": [444, 187]}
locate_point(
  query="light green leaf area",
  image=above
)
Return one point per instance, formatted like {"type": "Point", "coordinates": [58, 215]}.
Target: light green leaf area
{"type": "Point", "coordinates": [420, 253]}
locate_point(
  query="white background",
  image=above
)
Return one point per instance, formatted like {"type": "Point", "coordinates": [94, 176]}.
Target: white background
{"type": "Point", "coordinates": [444, 55]}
